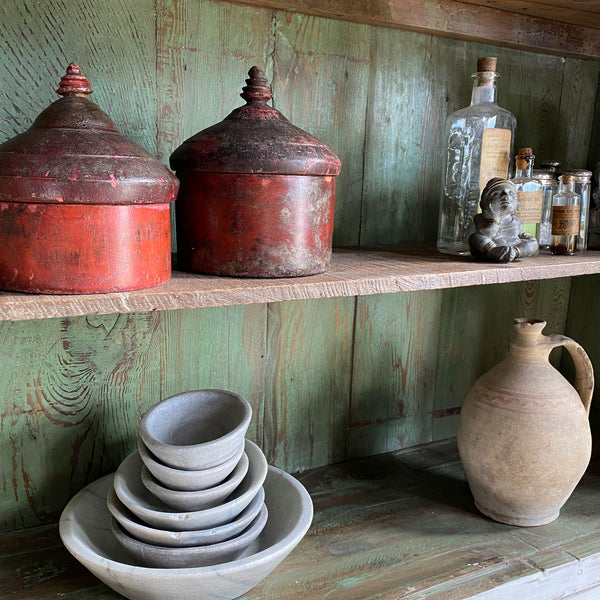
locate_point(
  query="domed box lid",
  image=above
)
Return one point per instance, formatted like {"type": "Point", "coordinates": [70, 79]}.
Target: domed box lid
{"type": "Point", "coordinates": [74, 154]}
{"type": "Point", "coordinates": [255, 138]}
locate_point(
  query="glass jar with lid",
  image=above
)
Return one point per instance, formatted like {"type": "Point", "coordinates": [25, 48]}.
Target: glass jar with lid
{"type": "Point", "coordinates": [583, 187]}
{"type": "Point", "coordinates": [549, 188]}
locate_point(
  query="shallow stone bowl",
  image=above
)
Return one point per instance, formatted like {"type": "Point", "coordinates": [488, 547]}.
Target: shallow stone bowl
{"type": "Point", "coordinates": [191, 556]}
{"type": "Point", "coordinates": [196, 430]}
{"type": "Point", "coordinates": [196, 499]}
{"type": "Point", "coordinates": [178, 539]}
{"type": "Point", "coordinates": [148, 508]}
{"type": "Point", "coordinates": [86, 532]}
{"type": "Point", "coordinates": [180, 479]}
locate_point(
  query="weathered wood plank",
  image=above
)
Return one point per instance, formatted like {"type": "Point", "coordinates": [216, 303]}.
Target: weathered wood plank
{"type": "Point", "coordinates": [205, 50]}
{"type": "Point", "coordinates": [75, 390]}
{"type": "Point", "coordinates": [113, 43]}
{"type": "Point", "coordinates": [459, 20]}
{"type": "Point", "coordinates": [354, 272]}
{"type": "Point", "coordinates": [307, 389]}
{"type": "Point", "coordinates": [395, 347]}
{"type": "Point", "coordinates": [320, 83]}
{"type": "Point", "coordinates": [403, 149]}
{"type": "Point", "coordinates": [581, 12]}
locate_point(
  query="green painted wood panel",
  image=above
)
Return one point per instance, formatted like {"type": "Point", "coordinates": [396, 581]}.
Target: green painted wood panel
{"type": "Point", "coordinates": [403, 149]}
{"type": "Point", "coordinates": [204, 52]}
{"type": "Point", "coordinates": [75, 389]}
{"type": "Point", "coordinates": [320, 83]}
{"type": "Point", "coordinates": [395, 351]}
{"type": "Point", "coordinates": [113, 43]}
{"type": "Point", "coordinates": [307, 385]}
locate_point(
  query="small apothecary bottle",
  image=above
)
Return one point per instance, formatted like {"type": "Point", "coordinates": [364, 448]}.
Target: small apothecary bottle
{"type": "Point", "coordinates": [566, 206]}
{"type": "Point", "coordinates": [583, 187]}
{"type": "Point", "coordinates": [529, 193]}
{"type": "Point", "coordinates": [549, 188]}
{"type": "Point", "coordinates": [478, 144]}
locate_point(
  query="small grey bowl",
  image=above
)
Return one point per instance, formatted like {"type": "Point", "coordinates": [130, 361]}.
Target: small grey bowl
{"type": "Point", "coordinates": [196, 430]}
{"type": "Point", "coordinates": [193, 556]}
{"type": "Point", "coordinates": [148, 508]}
{"type": "Point", "coordinates": [180, 479]}
{"type": "Point", "coordinates": [177, 539]}
{"type": "Point", "coordinates": [196, 499]}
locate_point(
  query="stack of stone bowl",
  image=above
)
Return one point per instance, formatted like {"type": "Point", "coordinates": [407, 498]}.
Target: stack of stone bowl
{"type": "Point", "coordinates": [192, 493]}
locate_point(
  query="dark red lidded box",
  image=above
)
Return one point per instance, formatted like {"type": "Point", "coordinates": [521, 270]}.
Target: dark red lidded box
{"type": "Point", "coordinates": [83, 210]}
{"type": "Point", "coordinates": [256, 196]}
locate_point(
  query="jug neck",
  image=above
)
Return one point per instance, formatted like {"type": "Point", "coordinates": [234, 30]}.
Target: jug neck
{"type": "Point", "coordinates": [529, 344]}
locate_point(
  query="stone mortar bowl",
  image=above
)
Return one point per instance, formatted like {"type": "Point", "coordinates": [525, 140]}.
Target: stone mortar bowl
{"type": "Point", "coordinates": [148, 508]}
{"type": "Point", "coordinates": [191, 556]}
{"type": "Point", "coordinates": [196, 430]}
{"type": "Point", "coordinates": [178, 539]}
{"type": "Point", "coordinates": [196, 499]}
{"type": "Point", "coordinates": [184, 480]}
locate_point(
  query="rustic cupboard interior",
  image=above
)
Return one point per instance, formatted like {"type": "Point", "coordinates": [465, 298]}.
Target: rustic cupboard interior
{"type": "Point", "coordinates": [337, 371]}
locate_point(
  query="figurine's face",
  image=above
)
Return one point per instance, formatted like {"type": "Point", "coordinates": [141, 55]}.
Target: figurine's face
{"type": "Point", "coordinates": [503, 200]}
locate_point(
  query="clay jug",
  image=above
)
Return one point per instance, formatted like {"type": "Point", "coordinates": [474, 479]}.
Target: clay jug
{"type": "Point", "coordinates": [524, 436]}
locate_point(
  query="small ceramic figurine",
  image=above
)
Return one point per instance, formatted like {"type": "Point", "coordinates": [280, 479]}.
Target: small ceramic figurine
{"type": "Point", "coordinates": [499, 236]}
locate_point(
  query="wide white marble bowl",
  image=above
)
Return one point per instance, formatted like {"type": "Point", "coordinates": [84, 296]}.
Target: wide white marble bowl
{"type": "Point", "coordinates": [185, 480]}
{"type": "Point", "coordinates": [86, 532]}
{"type": "Point", "coordinates": [197, 499]}
{"type": "Point", "coordinates": [196, 430]}
{"type": "Point", "coordinates": [191, 556]}
{"type": "Point", "coordinates": [178, 539]}
{"type": "Point", "coordinates": [152, 511]}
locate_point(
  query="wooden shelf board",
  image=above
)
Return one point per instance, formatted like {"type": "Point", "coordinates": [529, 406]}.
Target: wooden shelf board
{"type": "Point", "coordinates": [354, 272]}
{"type": "Point", "coordinates": [400, 525]}
{"type": "Point", "coordinates": [552, 26]}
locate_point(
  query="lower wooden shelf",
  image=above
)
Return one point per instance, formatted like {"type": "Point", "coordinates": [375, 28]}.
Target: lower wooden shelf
{"type": "Point", "coordinates": [400, 525]}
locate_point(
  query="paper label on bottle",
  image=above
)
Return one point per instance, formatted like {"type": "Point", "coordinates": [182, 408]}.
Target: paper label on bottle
{"type": "Point", "coordinates": [565, 220]}
{"type": "Point", "coordinates": [530, 206]}
{"type": "Point", "coordinates": [495, 155]}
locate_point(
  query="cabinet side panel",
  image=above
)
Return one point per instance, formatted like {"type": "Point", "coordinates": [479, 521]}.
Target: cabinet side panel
{"type": "Point", "coordinates": [476, 326]}
{"type": "Point", "coordinates": [320, 82]}
{"type": "Point", "coordinates": [307, 382]}
{"type": "Point", "coordinates": [112, 42]}
{"type": "Point", "coordinates": [393, 376]}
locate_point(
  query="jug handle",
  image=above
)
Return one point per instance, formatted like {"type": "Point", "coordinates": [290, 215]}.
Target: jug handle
{"type": "Point", "coordinates": [584, 372]}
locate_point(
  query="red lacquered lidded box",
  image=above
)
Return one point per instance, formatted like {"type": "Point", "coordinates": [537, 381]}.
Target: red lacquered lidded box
{"type": "Point", "coordinates": [256, 195]}
{"type": "Point", "coordinates": [82, 209]}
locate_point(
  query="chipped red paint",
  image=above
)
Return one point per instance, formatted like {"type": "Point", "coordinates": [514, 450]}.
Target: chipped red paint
{"type": "Point", "coordinates": [82, 209]}
{"type": "Point", "coordinates": [256, 194]}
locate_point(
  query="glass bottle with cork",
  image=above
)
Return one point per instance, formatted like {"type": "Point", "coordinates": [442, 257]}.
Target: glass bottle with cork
{"type": "Point", "coordinates": [479, 142]}
{"type": "Point", "coordinates": [566, 206]}
{"type": "Point", "coordinates": [529, 193]}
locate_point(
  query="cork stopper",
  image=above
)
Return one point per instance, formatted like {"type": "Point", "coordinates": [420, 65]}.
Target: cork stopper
{"type": "Point", "coordinates": [74, 83]}
{"type": "Point", "coordinates": [257, 87]}
{"type": "Point", "coordinates": [525, 152]}
{"type": "Point", "coordinates": [566, 178]}
{"type": "Point", "coordinates": [487, 63]}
